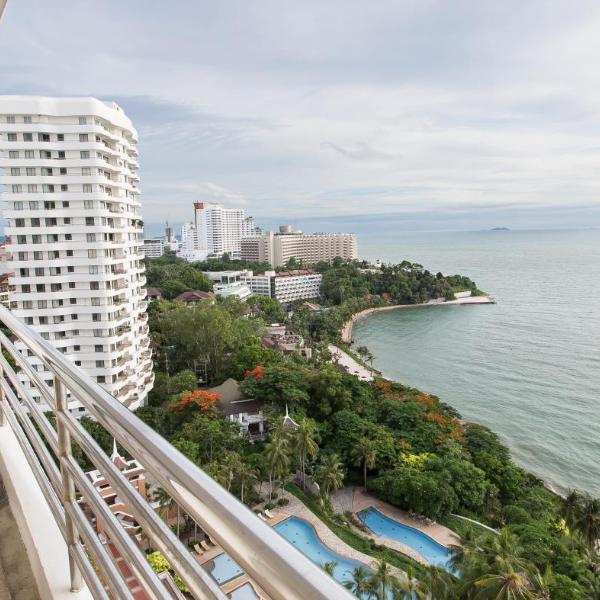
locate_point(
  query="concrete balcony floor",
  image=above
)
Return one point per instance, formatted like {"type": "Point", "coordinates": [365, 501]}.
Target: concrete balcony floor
{"type": "Point", "coordinates": [16, 578]}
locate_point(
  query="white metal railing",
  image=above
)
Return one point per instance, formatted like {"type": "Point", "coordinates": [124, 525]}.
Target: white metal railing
{"type": "Point", "coordinates": [281, 570]}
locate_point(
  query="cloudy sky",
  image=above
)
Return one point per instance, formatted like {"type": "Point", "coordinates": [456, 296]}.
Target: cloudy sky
{"type": "Point", "coordinates": [441, 113]}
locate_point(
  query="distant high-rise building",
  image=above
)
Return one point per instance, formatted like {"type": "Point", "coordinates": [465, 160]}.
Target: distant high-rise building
{"type": "Point", "coordinates": [249, 229]}
{"type": "Point", "coordinates": [219, 229]}
{"type": "Point", "coordinates": [70, 172]}
{"type": "Point", "coordinates": [169, 235]}
{"type": "Point", "coordinates": [309, 248]}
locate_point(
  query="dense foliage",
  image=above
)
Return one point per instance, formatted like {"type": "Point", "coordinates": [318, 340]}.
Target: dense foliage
{"type": "Point", "coordinates": [407, 447]}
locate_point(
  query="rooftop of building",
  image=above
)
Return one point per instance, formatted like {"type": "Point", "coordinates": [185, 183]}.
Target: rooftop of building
{"type": "Point", "coordinates": [296, 273]}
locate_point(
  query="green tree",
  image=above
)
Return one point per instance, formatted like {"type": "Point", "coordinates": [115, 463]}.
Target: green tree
{"type": "Point", "coordinates": [330, 474]}
{"type": "Point", "coordinates": [305, 445]}
{"type": "Point", "coordinates": [383, 580]}
{"type": "Point", "coordinates": [364, 455]}
{"type": "Point", "coordinates": [277, 452]}
{"type": "Point", "coordinates": [359, 584]}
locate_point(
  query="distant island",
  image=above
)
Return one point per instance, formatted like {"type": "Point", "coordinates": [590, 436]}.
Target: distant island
{"type": "Point", "coordinates": [499, 229]}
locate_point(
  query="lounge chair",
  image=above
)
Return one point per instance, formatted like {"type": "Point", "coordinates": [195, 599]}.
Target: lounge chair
{"type": "Point", "coordinates": [205, 545]}
{"type": "Point", "coordinates": [261, 517]}
{"type": "Point", "coordinates": [268, 513]}
{"type": "Point", "coordinates": [198, 550]}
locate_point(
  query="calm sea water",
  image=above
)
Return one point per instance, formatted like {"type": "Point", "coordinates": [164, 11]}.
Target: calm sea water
{"type": "Point", "coordinates": [528, 366]}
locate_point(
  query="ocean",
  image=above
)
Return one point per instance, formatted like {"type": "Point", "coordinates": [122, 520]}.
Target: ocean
{"type": "Point", "coordinates": [528, 367]}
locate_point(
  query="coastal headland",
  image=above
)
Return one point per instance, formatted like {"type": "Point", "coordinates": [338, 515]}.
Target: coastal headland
{"type": "Point", "coordinates": [363, 314]}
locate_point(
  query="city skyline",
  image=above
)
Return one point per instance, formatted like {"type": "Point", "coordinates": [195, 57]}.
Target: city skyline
{"type": "Point", "coordinates": [442, 117]}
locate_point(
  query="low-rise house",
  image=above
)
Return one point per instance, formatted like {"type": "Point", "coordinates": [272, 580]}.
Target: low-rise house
{"type": "Point", "coordinates": [281, 338]}
{"type": "Point", "coordinates": [153, 294]}
{"type": "Point", "coordinates": [194, 296]}
{"type": "Point", "coordinates": [248, 413]}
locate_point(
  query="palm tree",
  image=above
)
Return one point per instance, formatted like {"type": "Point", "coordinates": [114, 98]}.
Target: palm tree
{"type": "Point", "coordinates": [359, 584]}
{"type": "Point", "coordinates": [589, 520]}
{"type": "Point", "coordinates": [570, 509]}
{"type": "Point", "coordinates": [329, 567]}
{"type": "Point", "coordinates": [542, 582]}
{"type": "Point", "coordinates": [277, 452]}
{"type": "Point", "coordinates": [439, 584]}
{"type": "Point", "coordinates": [330, 474]}
{"type": "Point", "coordinates": [408, 588]}
{"type": "Point", "coordinates": [383, 580]}
{"type": "Point", "coordinates": [305, 445]}
{"type": "Point", "coordinates": [364, 455]}
{"type": "Point", "coordinates": [166, 504]}
{"type": "Point", "coordinates": [246, 476]}
{"type": "Point", "coordinates": [506, 585]}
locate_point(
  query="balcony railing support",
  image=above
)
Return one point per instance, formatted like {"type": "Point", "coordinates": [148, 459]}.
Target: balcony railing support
{"type": "Point", "coordinates": [68, 487]}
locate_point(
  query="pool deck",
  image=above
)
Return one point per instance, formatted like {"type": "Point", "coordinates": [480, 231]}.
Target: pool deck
{"type": "Point", "coordinates": [441, 534]}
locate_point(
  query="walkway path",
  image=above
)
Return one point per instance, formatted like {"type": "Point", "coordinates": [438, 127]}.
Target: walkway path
{"type": "Point", "coordinates": [347, 362]}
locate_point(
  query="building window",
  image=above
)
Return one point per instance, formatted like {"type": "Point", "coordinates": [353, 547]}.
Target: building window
{"type": "Point", "coordinates": [62, 171]}
{"type": "Point", "coordinates": [28, 137]}
{"type": "Point", "coordinates": [86, 171]}
{"type": "Point", "coordinates": [51, 238]}
{"type": "Point", "coordinates": [87, 188]}
{"type": "Point", "coordinates": [43, 320]}
{"type": "Point", "coordinates": [50, 222]}
{"type": "Point", "coordinates": [29, 154]}
{"type": "Point", "coordinates": [99, 364]}
{"type": "Point", "coordinates": [10, 118]}
{"type": "Point", "coordinates": [13, 154]}
{"type": "Point", "coordinates": [94, 285]}
{"type": "Point", "coordinates": [93, 269]}
{"type": "Point", "coordinates": [39, 271]}
{"type": "Point", "coordinates": [82, 120]}
{"type": "Point", "coordinates": [30, 171]}
{"type": "Point", "coordinates": [32, 188]}
{"type": "Point", "coordinates": [88, 204]}
{"type": "Point", "coordinates": [47, 172]}
{"type": "Point", "coordinates": [34, 205]}
{"type": "Point", "coordinates": [42, 303]}
{"type": "Point", "coordinates": [65, 204]}
{"type": "Point", "coordinates": [67, 220]}
{"type": "Point", "coordinates": [37, 255]}
{"type": "Point", "coordinates": [40, 287]}
{"type": "Point", "coordinates": [36, 239]}
{"type": "Point", "coordinates": [17, 189]}
{"type": "Point", "coordinates": [55, 287]}
{"type": "Point", "coordinates": [49, 205]}
{"type": "Point", "coordinates": [43, 137]}
{"type": "Point", "coordinates": [18, 205]}
{"type": "Point", "coordinates": [92, 253]}
{"type": "Point", "coordinates": [61, 155]}
{"type": "Point", "coordinates": [12, 137]}
{"type": "Point", "coordinates": [64, 187]}
{"type": "Point", "coordinates": [83, 137]}
{"type": "Point", "coordinates": [90, 237]}
{"type": "Point", "coordinates": [45, 154]}
{"type": "Point", "coordinates": [72, 300]}
{"type": "Point", "coordinates": [15, 171]}
{"type": "Point", "coordinates": [22, 255]}
{"type": "Point", "coordinates": [89, 221]}
{"type": "Point", "coordinates": [98, 348]}
{"type": "Point", "coordinates": [47, 188]}
{"type": "Point", "coordinates": [35, 222]}
{"type": "Point", "coordinates": [27, 119]}
{"type": "Point", "coordinates": [60, 137]}
{"type": "Point", "coordinates": [19, 222]}
{"type": "Point", "coordinates": [101, 379]}
{"type": "Point", "coordinates": [84, 154]}
{"type": "Point", "coordinates": [69, 252]}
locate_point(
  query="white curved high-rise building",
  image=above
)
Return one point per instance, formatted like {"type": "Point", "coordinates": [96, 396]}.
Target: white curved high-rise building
{"type": "Point", "coordinates": [70, 172]}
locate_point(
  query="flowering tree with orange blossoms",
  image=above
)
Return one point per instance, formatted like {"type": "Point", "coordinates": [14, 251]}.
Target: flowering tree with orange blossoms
{"type": "Point", "coordinates": [202, 399]}
{"type": "Point", "coordinates": [257, 373]}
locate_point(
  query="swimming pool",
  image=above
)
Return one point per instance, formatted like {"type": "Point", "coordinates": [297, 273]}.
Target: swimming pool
{"type": "Point", "coordinates": [222, 568]}
{"type": "Point", "coordinates": [425, 545]}
{"type": "Point", "coordinates": [302, 535]}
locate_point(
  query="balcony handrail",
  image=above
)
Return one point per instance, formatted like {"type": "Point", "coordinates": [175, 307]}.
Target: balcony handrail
{"type": "Point", "coordinates": [279, 568]}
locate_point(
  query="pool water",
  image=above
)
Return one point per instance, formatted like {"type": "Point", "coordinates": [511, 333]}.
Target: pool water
{"type": "Point", "coordinates": [425, 545]}
{"type": "Point", "coordinates": [222, 568]}
{"type": "Point", "coordinates": [302, 535]}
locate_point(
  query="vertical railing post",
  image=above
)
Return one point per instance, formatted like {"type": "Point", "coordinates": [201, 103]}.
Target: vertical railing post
{"type": "Point", "coordinates": [3, 419]}
{"type": "Point", "coordinates": [68, 486]}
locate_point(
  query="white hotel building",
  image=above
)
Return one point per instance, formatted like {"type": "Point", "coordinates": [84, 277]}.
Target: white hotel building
{"type": "Point", "coordinates": [70, 172]}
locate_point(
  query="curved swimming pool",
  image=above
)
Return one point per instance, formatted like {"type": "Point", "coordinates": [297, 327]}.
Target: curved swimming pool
{"type": "Point", "coordinates": [301, 534]}
{"type": "Point", "coordinates": [425, 545]}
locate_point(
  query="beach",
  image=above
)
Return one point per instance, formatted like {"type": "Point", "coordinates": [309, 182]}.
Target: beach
{"type": "Point", "coordinates": [363, 314]}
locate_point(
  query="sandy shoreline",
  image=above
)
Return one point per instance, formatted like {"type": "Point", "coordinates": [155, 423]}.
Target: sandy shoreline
{"type": "Point", "coordinates": [348, 325]}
